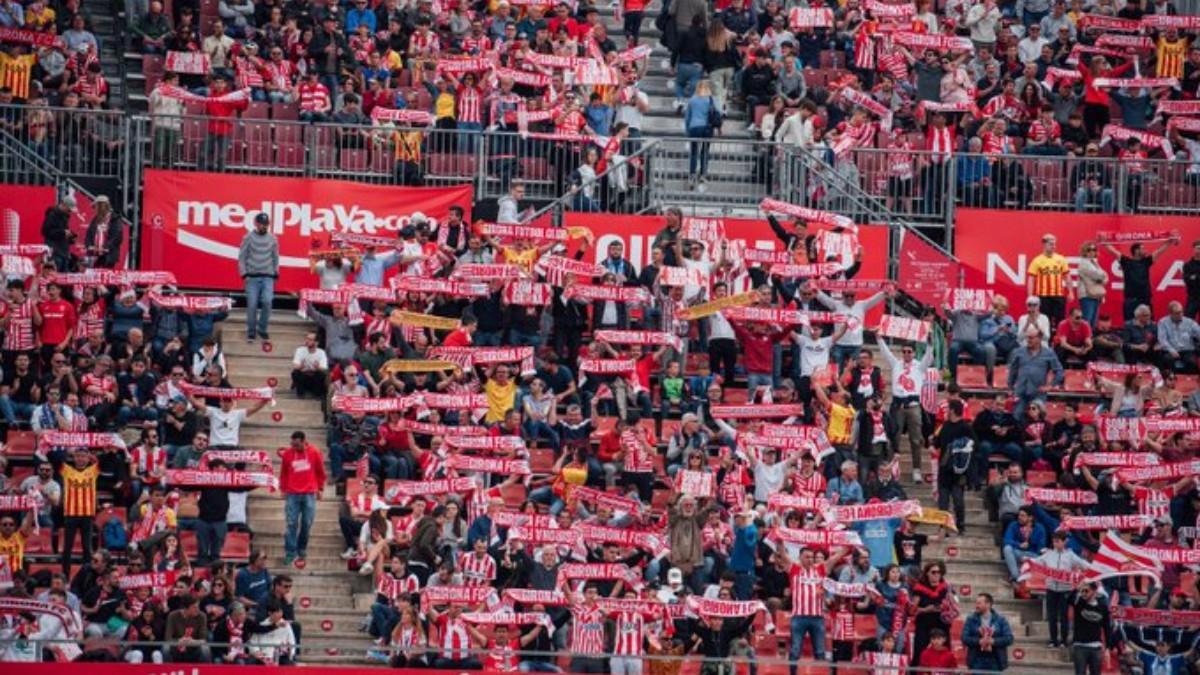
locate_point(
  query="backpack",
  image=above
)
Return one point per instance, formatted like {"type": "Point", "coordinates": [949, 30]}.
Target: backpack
{"type": "Point", "coordinates": [714, 115]}
{"type": "Point", "coordinates": [114, 536]}
{"type": "Point", "coordinates": [960, 455]}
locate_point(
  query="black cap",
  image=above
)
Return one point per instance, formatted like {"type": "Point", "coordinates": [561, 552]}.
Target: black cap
{"type": "Point", "coordinates": [262, 218]}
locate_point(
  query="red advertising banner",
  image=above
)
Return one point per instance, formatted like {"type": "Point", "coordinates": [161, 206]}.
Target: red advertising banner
{"type": "Point", "coordinates": [98, 668]}
{"type": "Point", "coordinates": [996, 255]}
{"type": "Point", "coordinates": [925, 272]}
{"type": "Point", "coordinates": [194, 222]}
{"type": "Point", "coordinates": [22, 210]}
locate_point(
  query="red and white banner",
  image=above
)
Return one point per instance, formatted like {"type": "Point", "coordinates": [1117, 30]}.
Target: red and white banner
{"type": "Point", "coordinates": [731, 412]}
{"type": "Point", "coordinates": [189, 63]}
{"type": "Point", "coordinates": [525, 293]}
{"type": "Point", "coordinates": [1142, 616]}
{"type": "Point", "coordinates": [485, 442]}
{"type": "Point", "coordinates": [1164, 21]}
{"type": "Point", "coordinates": [511, 467]}
{"type": "Point", "coordinates": [1134, 236]}
{"type": "Point", "coordinates": [32, 38]}
{"type": "Point", "coordinates": [1119, 558]}
{"type": "Point", "coordinates": [817, 538]}
{"type": "Point", "coordinates": [1117, 459]}
{"type": "Point", "coordinates": [229, 393]}
{"type": "Point", "coordinates": [561, 265]}
{"type": "Point", "coordinates": [1109, 23]}
{"type": "Point", "coordinates": [594, 73]}
{"type": "Point", "coordinates": [853, 285]}
{"type": "Point", "coordinates": [1139, 43]}
{"type": "Point", "coordinates": [155, 580]}
{"type": "Point", "coordinates": [488, 272]}
{"type": "Point", "coordinates": [882, 10]}
{"type": "Point", "coordinates": [508, 618]}
{"type": "Point", "coordinates": [403, 490]}
{"type": "Point", "coordinates": [1167, 472]}
{"type": "Point", "coordinates": [192, 304]}
{"type": "Point", "coordinates": [1056, 75]}
{"type": "Point", "coordinates": [1117, 132]}
{"type": "Point", "coordinates": [99, 277]}
{"type": "Point", "coordinates": [782, 502]}
{"type": "Point", "coordinates": [1032, 566]}
{"type": "Point", "coordinates": [465, 65]}
{"type": "Point", "coordinates": [197, 235]}
{"type": "Point", "coordinates": [403, 117]}
{"type": "Point", "coordinates": [1173, 556]}
{"type": "Point", "coordinates": [1135, 82]}
{"type": "Point", "coordinates": [903, 328]}
{"type": "Point", "coordinates": [699, 484]}
{"type": "Point", "coordinates": [525, 77]}
{"type": "Point", "coordinates": [1002, 263]}
{"type": "Point", "coordinates": [523, 232]}
{"type": "Point", "coordinates": [458, 595]}
{"type": "Point", "coordinates": [635, 294]}
{"type": "Point", "coordinates": [469, 357]}
{"type": "Point", "coordinates": [235, 457]}
{"type": "Point", "coordinates": [431, 429]}
{"type": "Point", "coordinates": [637, 337]}
{"type": "Point", "coordinates": [191, 478]}
{"type": "Point", "coordinates": [1136, 522]}
{"type": "Point", "coordinates": [1187, 124]}
{"type": "Point", "coordinates": [17, 502]}
{"type": "Point", "coordinates": [1059, 496]}
{"type": "Point", "coordinates": [650, 542]}
{"type": "Point", "coordinates": [459, 289]}
{"type": "Point", "coordinates": [605, 499]}
{"type": "Point", "coordinates": [941, 43]}
{"type": "Point", "coordinates": [816, 17]}
{"type": "Point", "coordinates": [768, 205]}
{"type": "Point", "coordinates": [606, 366]}
{"type": "Point", "coordinates": [529, 596]}
{"type": "Point", "coordinates": [79, 439]}
{"type": "Point", "coordinates": [808, 271]}
{"type": "Point", "coordinates": [1169, 107]}
{"type": "Point", "coordinates": [618, 571]}
{"type": "Point", "coordinates": [856, 512]}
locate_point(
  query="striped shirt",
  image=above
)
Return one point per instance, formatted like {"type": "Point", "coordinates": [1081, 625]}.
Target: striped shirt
{"type": "Point", "coordinates": [104, 384]}
{"type": "Point", "coordinates": [1048, 273]}
{"type": "Point", "coordinates": [454, 638]}
{"type": "Point", "coordinates": [1042, 133]}
{"type": "Point", "coordinates": [810, 485]}
{"type": "Point", "coordinates": [587, 630]}
{"type": "Point", "coordinates": [16, 73]}
{"type": "Point", "coordinates": [477, 571]}
{"type": "Point", "coordinates": [808, 590]}
{"type": "Point", "coordinates": [1170, 57]}
{"type": "Point", "coordinates": [630, 634]}
{"type": "Point", "coordinates": [470, 105]}
{"type": "Point", "coordinates": [19, 336]}
{"type": "Point", "coordinates": [13, 546]}
{"type": "Point", "coordinates": [79, 491]}
{"type": "Point", "coordinates": [314, 97]}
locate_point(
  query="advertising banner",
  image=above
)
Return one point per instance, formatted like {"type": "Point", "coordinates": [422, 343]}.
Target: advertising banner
{"type": "Point", "coordinates": [194, 222]}
{"type": "Point", "coordinates": [925, 272]}
{"type": "Point", "coordinates": [22, 210]}
{"type": "Point", "coordinates": [996, 254]}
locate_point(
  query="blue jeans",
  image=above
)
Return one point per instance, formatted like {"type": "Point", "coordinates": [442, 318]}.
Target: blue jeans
{"type": "Point", "coordinates": [518, 338]}
{"type": "Point", "coordinates": [383, 619]}
{"type": "Point", "coordinates": [687, 76]}
{"type": "Point", "coordinates": [210, 539]}
{"type": "Point", "coordinates": [1029, 18]}
{"type": "Point", "coordinates": [299, 510]}
{"type": "Point", "coordinates": [487, 338]}
{"type": "Point", "coordinates": [128, 413]}
{"type": "Point", "coordinates": [538, 429]}
{"type": "Point", "coordinates": [743, 585]}
{"type": "Point", "coordinates": [843, 353]}
{"type": "Point", "coordinates": [756, 380]}
{"type": "Point", "coordinates": [978, 352]}
{"type": "Point", "coordinates": [260, 293]}
{"type": "Point", "coordinates": [1013, 558]}
{"type": "Point", "coordinates": [15, 411]}
{"type": "Point", "coordinates": [467, 133]}
{"type": "Point", "coordinates": [1083, 196]}
{"type": "Point", "coordinates": [814, 626]}
{"type": "Point", "coordinates": [1091, 309]}
{"type": "Point", "coordinates": [545, 495]}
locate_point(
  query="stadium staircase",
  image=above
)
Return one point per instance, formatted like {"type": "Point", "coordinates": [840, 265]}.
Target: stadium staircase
{"type": "Point", "coordinates": [331, 592]}
{"type": "Point", "coordinates": [107, 23]}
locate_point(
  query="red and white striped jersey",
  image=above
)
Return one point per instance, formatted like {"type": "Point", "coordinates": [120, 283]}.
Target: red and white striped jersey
{"type": "Point", "coordinates": [718, 537]}
{"type": "Point", "coordinates": [1040, 132]}
{"type": "Point", "coordinates": [587, 630]}
{"type": "Point", "coordinates": [638, 456]}
{"type": "Point", "coordinates": [424, 43]}
{"type": "Point", "coordinates": [1153, 503]}
{"type": "Point", "coordinates": [994, 144]}
{"type": "Point", "coordinates": [408, 585]}
{"type": "Point", "coordinates": [501, 657]}
{"type": "Point", "coordinates": [570, 123]}
{"type": "Point", "coordinates": [476, 45]}
{"type": "Point", "coordinates": [89, 319]}
{"type": "Point", "coordinates": [864, 49]}
{"type": "Point", "coordinates": [842, 627]}
{"type": "Point", "coordinates": [20, 336]}
{"type": "Point", "coordinates": [470, 105]}
{"type": "Point", "coordinates": [732, 490]}
{"type": "Point", "coordinates": [314, 97]}
{"type": "Point", "coordinates": [630, 634]}
{"type": "Point", "coordinates": [279, 74]}
{"type": "Point", "coordinates": [1133, 160]}
{"type": "Point", "coordinates": [454, 638]}
{"type": "Point", "coordinates": [104, 385]}
{"type": "Point", "coordinates": [378, 324]}
{"type": "Point", "coordinates": [477, 505]}
{"type": "Point", "coordinates": [147, 460]}
{"type": "Point", "coordinates": [813, 485]}
{"type": "Point", "coordinates": [91, 86]}
{"type": "Point", "coordinates": [940, 143]}
{"type": "Point", "coordinates": [808, 590]}
{"type": "Point", "coordinates": [477, 571]}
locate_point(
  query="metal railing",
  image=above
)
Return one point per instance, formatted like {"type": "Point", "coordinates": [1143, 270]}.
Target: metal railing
{"type": "Point", "coordinates": [620, 188]}
{"type": "Point", "coordinates": [718, 173]}
{"type": "Point", "coordinates": [928, 191]}
{"type": "Point", "coordinates": [80, 143]}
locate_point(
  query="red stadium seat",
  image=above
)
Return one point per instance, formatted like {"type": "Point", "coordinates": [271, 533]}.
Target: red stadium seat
{"type": "Point", "coordinates": [284, 111]}
{"type": "Point", "coordinates": [352, 160]}
{"type": "Point", "coordinates": [236, 548]}
{"type": "Point", "coordinates": [152, 64]}
{"type": "Point", "coordinates": [325, 157]}
{"type": "Point", "coordinates": [289, 156]}
{"type": "Point", "coordinates": [259, 153]}
{"type": "Point", "coordinates": [187, 539]}
{"type": "Point", "coordinates": [20, 444]}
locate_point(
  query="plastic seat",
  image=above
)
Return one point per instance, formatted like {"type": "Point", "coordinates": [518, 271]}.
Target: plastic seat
{"type": "Point", "coordinates": [288, 132]}
{"type": "Point", "coordinates": [236, 548]}
{"type": "Point", "coordinates": [152, 63]}
{"type": "Point", "coordinates": [20, 444]}
{"type": "Point", "coordinates": [352, 160]}
{"type": "Point", "coordinates": [257, 110]}
{"type": "Point", "coordinates": [289, 156]}
{"type": "Point", "coordinates": [284, 111]}
{"type": "Point", "coordinates": [259, 153]}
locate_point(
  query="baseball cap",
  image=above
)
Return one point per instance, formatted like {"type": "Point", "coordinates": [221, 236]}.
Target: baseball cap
{"type": "Point", "coordinates": [675, 576]}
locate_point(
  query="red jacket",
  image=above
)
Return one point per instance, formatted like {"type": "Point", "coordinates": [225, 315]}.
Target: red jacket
{"type": "Point", "coordinates": [1098, 95]}
{"type": "Point", "coordinates": [758, 353]}
{"type": "Point", "coordinates": [938, 658]}
{"type": "Point", "coordinates": [301, 472]}
{"type": "Point", "coordinates": [220, 112]}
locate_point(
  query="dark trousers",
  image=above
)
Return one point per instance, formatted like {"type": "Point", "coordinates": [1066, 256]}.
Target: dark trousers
{"type": "Point", "coordinates": [1057, 604]}
{"type": "Point", "coordinates": [722, 357]}
{"type": "Point", "coordinates": [1087, 660]}
{"type": "Point", "coordinates": [644, 483]}
{"type": "Point", "coordinates": [1055, 309]}
{"type": "Point", "coordinates": [72, 525]}
{"type": "Point", "coordinates": [950, 488]}
{"type": "Point", "coordinates": [309, 382]}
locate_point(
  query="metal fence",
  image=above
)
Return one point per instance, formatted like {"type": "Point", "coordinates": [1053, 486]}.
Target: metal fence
{"type": "Point", "coordinates": [697, 173]}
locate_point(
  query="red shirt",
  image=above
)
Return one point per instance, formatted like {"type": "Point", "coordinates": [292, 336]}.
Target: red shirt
{"type": "Point", "coordinates": [220, 112]}
{"type": "Point", "coordinates": [808, 590]}
{"type": "Point", "coordinates": [938, 658]}
{"type": "Point", "coordinates": [1072, 335]}
{"type": "Point", "coordinates": [457, 338]}
{"type": "Point", "coordinates": [58, 318]}
{"type": "Point", "coordinates": [301, 471]}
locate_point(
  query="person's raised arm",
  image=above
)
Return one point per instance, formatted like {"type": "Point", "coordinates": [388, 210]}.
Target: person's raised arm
{"type": "Point", "coordinates": [258, 405]}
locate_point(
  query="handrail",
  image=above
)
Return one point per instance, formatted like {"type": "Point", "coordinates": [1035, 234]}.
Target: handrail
{"type": "Point", "coordinates": [559, 202]}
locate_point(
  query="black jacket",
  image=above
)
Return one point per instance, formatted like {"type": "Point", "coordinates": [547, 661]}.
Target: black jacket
{"type": "Point", "coordinates": [55, 229]}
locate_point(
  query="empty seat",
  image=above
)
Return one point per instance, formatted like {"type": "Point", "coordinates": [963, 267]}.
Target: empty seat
{"type": "Point", "coordinates": [353, 160]}
{"type": "Point", "coordinates": [289, 156]}
{"type": "Point", "coordinates": [284, 111]}
{"type": "Point", "coordinates": [257, 110]}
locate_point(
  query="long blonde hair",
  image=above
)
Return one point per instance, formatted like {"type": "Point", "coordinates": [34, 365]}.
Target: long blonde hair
{"type": "Point", "coordinates": [703, 88]}
{"type": "Point", "coordinates": [718, 37]}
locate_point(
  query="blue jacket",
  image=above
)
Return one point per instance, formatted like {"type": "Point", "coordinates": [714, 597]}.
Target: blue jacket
{"type": "Point", "coordinates": [1037, 538]}
{"type": "Point", "coordinates": [745, 542]}
{"type": "Point", "coordinates": [360, 16]}
{"type": "Point", "coordinates": [972, 169]}
{"type": "Point", "coordinates": [695, 113]}
{"type": "Point", "coordinates": [200, 326]}
{"type": "Point", "coordinates": [848, 493]}
{"type": "Point", "coordinates": [1002, 639]}
{"type": "Point", "coordinates": [481, 528]}
{"type": "Point", "coordinates": [1050, 523]}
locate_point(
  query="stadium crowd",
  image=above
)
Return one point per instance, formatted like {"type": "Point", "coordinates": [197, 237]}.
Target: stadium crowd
{"type": "Point", "coordinates": [675, 459]}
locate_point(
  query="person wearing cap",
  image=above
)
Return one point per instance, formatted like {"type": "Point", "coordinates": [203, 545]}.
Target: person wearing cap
{"type": "Point", "coordinates": [258, 265]}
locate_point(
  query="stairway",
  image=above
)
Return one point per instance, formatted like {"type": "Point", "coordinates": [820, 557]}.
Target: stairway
{"type": "Point", "coordinates": [107, 23]}
{"type": "Point", "coordinates": [332, 593]}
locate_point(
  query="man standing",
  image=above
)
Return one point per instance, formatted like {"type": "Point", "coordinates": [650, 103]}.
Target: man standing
{"type": "Point", "coordinates": [987, 637]}
{"type": "Point", "coordinates": [302, 479]}
{"type": "Point", "coordinates": [1135, 272]}
{"type": "Point", "coordinates": [79, 504]}
{"type": "Point", "coordinates": [1092, 621]}
{"type": "Point", "coordinates": [1028, 367]}
{"type": "Point", "coordinates": [258, 265]}
{"type": "Point", "coordinates": [1191, 280]}
{"type": "Point", "coordinates": [908, 378]}
{"type": "Point", "coordinates": [808, 601]}
{"type": "Point", "coordinates": [56, 232]}
{"type": "Point", "coordinates": [1047, 278]}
